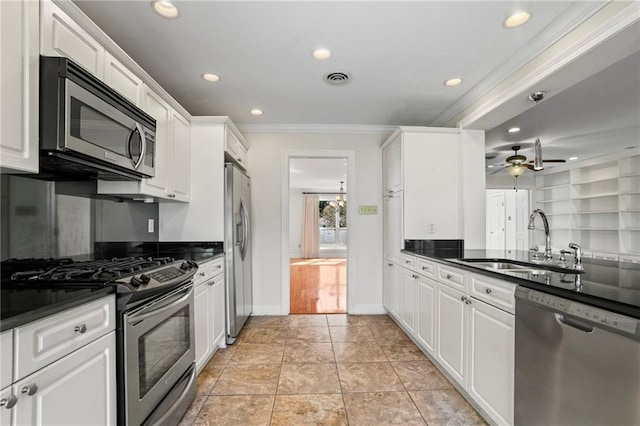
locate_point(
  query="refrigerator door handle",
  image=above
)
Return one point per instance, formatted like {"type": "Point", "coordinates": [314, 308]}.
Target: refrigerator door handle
{"type": "Point", "coordinates": [243, 214]}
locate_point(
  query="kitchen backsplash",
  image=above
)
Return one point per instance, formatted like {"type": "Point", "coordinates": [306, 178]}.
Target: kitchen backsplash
{"type": "Point", "coordinates": [37, 222]}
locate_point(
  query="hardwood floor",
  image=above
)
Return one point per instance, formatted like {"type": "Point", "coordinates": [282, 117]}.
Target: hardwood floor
{"type": "Point", "coordinates": [318, 286]}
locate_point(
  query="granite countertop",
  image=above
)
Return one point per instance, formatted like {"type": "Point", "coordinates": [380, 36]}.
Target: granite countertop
{"type": "Point", "coordinates": [606, 284]}
{"type": "Point", "coordinates": [23, 305]}
{"type": "Point", "coordinates": [196, 251]}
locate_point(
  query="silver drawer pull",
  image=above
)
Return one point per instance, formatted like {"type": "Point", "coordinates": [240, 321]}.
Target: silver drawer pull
{"type": "Point", "coordinates": [424, 268]}
{"type": "Point", "coordinates": [463, 298]}
{"type": "Point", "coordinates": [82, 328]}
{"type": "Point", "coordinates": [9, 403]}
{"type": "Point", "coordinates": [488, 290]}
{"type": "Point", "coordinates": [219, 266]}
{"type": "Point", "coordinates": [202, 274]}
{"type": "Point", "coordinates": [448, 276]}
{"type": "Point", "coordinates": [30, 389]}
{"type": "Point", "coordinates": [468, 301]}
{"type": "Point", "coordinates": [407, 261]}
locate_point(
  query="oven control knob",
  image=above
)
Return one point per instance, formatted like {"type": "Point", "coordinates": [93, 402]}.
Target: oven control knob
{"type": "Point", "coordinates": [139, 280]}
{"type": "Point", "coordinates": [185, 265]}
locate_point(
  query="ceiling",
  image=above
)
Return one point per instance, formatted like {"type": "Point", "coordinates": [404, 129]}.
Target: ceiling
{"type": "Point", "coordinates": [318, 174]}
{"type": "Point", "coordinates": [398, 53]}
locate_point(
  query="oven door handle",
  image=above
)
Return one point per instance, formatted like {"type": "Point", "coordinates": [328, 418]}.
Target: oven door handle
{"type": "Point", "coordinates": [143, 316]}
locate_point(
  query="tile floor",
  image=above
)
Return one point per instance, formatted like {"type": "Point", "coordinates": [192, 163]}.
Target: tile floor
{"type": "Point", "coordinates": [325, 370]}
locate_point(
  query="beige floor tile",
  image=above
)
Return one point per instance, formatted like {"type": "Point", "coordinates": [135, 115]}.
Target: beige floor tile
{"type": "Point", "coordinates": [386, 334]}
{"type": "Point", "coordinates": [207, 379]}
{"type": "Point", "coordinates": [344, 319]}
{"type": "Point", "coordinates": [257, 353]}
{"type": "Point", "coordinates": [368, 377]}
{"type": "Point", "coordinates": [421, 375]}
{"type": "Point", "coordinates": [381, 408]}
{"type": "Point", "coordinates": [302, 352]}
{"type": "Point", "coordinates": [267, 321]}
{"type": "Point", "coordinates": [309, 334]}
{"type": "Point", "coordinates": [270, 335]}
{"type": "Point", "coordinates": [445, 407]}
{"type": "Point", "coordinates": [190, 416]}
{"type": "Point", "coordinates": [402, 352]}
{"type": "Point", "coordinates": [308, 378]}
{"type": "Point", "coordinates": [309, 410]}
{"type": "Point", "coordinates": [358, 352]}
{"type": "Point", "coordinates": [377, 319]}
{"type": "Point", "coordinates": [308, 321]}
{"type": "Point", "coordinates": [351, 333]}
{"type": "Point", "coordinates": [248, 379]}
{"type": "Point", "coordinates": [222, 356]}
{"type": "Point", "coordinates": [236, 410]}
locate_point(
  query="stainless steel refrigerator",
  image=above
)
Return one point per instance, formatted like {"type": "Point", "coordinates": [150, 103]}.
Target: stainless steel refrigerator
{"type": "Point", "coordinates": [237, 248]}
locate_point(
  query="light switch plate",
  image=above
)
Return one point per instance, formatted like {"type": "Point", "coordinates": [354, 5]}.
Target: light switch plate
{"type": "Point", "coordinates": [150, 226]}
{"type": "Point", "coordinates": [373, 210]}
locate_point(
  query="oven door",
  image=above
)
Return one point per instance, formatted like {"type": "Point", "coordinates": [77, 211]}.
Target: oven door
{"type": "Point", "coordinates": [159, 348]}
{"type": "Point", "coordinates": [99, 130]}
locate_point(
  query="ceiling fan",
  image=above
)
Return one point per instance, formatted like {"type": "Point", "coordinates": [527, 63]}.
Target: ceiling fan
{"type": "Point", "coordinates": [517, 163]}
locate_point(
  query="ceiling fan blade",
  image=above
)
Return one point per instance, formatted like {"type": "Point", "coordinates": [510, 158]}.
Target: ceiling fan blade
{"type": "Point", "coordinates": [554, 161]}
{"type": "Point", "coordinates": [529, 166]}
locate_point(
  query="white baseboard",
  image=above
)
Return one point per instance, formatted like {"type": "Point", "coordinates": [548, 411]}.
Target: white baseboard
{"type": "Point", "coordinates": [368, 310]}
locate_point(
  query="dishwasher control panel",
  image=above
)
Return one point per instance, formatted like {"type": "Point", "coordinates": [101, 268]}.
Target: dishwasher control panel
{"type": "Point", "coordinates": [585, 312]}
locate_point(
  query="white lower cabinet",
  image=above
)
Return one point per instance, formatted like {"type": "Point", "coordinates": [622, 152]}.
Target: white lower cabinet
{"type": "Point", "coordinates": [471, 340]}
{"type": "Point", "coordinates": [79, 389]}
{"type": "Point", "coordinates": [426, 313]}
{"type": "Point", "coordinates": [452, 331]}
{"type": "Point", "coordinates": [7, 401]}
{"type": "Point", "coordinates": [209, 313]}
{"type": "Point", "coordinates": [491, 360]}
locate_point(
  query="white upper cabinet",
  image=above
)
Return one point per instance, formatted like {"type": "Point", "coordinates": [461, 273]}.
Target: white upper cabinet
{"type": "Point", "coordinates": [234, 150]}
{"type": "Point", "coordinates": [19, 68]}
{"type": "Point", "coordinates": [392, 165]}
{"type": "Point", "coordinates": [122, 80]}
{"type": "Point", "coordinates": [180, 158]}
{"type": "Point", "coordinates": [157, 108]}
{"type": "Point", "coordinates": [61, 36]}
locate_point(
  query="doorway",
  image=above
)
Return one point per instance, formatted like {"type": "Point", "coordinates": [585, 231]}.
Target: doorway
{"type": "Point", "coordinates": [318, 235]}
{"type": "Point", "coordinates": [507, 219]}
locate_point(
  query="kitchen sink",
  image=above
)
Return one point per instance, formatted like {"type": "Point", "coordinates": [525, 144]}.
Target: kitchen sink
{"type": "Point", "coordinates": [508, 265]}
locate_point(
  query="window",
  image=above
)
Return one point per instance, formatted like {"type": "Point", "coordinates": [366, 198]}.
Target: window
{"type": "Point", "coordinates": [333, 223]}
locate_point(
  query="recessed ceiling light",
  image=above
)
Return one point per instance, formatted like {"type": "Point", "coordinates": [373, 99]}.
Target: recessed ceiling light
{"type": "Point", "coordinates": [165, 8]}
{"type": "Point", "coordinates": [321, 54]}
{"type": "Point", "coordinates": [452, 82]}
{"type": "Point", "coordinates": [210, 77]}
{"type": "Point", "coordinates": [256, 111]}
{"type": "Point", "coordinates": [516, 19]}
{"type": "Point", "coordinates": [514, 130]}
{"type": "Point", "coordinates": [573, 158]}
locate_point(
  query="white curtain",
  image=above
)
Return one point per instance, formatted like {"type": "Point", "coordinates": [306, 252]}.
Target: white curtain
{"type": "Point", "coordinates": [310, 226]}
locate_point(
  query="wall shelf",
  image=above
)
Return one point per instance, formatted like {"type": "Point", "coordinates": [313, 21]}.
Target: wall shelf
{"type": "Point", "coordinates": [588, 182]}
{"type": "Point", "coordinates": [589, 197]}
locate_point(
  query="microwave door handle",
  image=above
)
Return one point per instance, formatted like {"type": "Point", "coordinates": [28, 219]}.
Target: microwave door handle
{"type": "Point", "coordinates": [143, 144]}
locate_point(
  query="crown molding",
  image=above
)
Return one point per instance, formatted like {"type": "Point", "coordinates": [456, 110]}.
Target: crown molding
{"type": "Point", "coordinates": [353, 129]}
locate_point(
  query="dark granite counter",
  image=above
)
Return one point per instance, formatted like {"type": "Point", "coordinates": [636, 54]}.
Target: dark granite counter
{"type": "Point", "coordinates": [610, 285]}
{"type": "Point", "coordinates": [23, 305]}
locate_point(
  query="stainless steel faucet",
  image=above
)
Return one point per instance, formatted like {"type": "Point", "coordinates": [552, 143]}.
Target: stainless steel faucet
{"type": "Point", "coordinates": [545, 222]}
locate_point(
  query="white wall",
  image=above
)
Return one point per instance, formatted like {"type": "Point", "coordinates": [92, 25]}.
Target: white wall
{"type": "Point", "coordinates": [473, 189]}
{"type": "Point", "coordinates": [295, 222]}
{"type": "Point", "coordinates": [266, 165]}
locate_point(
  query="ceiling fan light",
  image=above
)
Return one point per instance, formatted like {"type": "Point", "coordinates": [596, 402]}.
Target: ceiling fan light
{"type": "Point", "coordinates": [516, 170]}
{"type": "Point", "coordinates": [537, 157]}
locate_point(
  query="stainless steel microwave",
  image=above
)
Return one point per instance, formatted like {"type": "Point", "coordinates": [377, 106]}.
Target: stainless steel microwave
{"type": "Point", "coordinates": [88, 130]}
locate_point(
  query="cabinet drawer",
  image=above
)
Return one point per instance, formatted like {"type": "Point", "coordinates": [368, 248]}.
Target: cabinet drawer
{"type": "Point", "coordinates": [208, 269]}
{"type": "Point", "coordinates": [409, 261]}
{"type": "Point", "coordinates": [42, 342]}
{"type": "Point", "coordinates": [452, 277]}
{"type": "Point", "coordinates": [426, 268]}
{"type": "Point", "coordinates": [495, 292]}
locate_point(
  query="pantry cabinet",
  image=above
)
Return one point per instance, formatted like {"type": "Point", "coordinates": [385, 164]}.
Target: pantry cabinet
{"type": "Point", "coordinates": [19, 92]}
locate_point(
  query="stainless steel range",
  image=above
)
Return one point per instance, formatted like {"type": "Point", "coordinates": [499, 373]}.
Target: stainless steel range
{"type": "Point", "coordinates": [155, 328]}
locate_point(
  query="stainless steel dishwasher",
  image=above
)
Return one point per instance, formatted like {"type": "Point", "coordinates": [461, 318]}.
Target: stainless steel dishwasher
{"type": "Point", "coordinates": [575, 364]}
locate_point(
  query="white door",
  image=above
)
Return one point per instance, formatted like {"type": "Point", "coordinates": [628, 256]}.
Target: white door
{"type": "Point", "coordinates": [522, 220]}
{"type": "Point", "coordinates": [495, 220]}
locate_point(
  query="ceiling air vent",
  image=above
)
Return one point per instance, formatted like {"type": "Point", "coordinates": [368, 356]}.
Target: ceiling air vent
{"type": "Point", "coordinates": [339, 78]}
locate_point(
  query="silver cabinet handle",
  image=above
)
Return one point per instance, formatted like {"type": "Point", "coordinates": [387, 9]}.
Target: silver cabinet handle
{"type": "Point", "coordinates": [424, 268]}
{"type": "Point", "coordinates": [448, 276]}
{"type": "Point", "coordinates": [239, 160]}
{"type": "Point", "coordinates": [211, 283]}
{"type": "Point", "coordinates": [463, 298]}
{"type": "Point", "coordinates": [488, 290]}
{"type": "Point", "coordinates": [219, 266]}
{"type": "Point", "coordinates": [82, 328]}
{"type": "Point", "coordinates": [406, 261]}
{"type": "Point", "coordinates": [9, 403]}
{"type": "Point", "coordinates": [390, 264]}
{"type": "Point", "coordinates": [468, 301]}
{"type": "Point", "coordinates": [414, 276]}
{"type": "Point", "coordinates": [30, 389]}
{"type": "Point", "coordinates": [202, 274]}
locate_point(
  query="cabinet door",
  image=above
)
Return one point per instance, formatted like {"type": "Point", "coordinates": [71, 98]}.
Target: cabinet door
{"type": "Point", "coordinates": [79, 389]}
{"type": "Point", "coordinates": [392, 166]}
{"type": "Point", "coordinates": [426, 313]}
{"type": "Point", "coordinates": [19, 146]}
{"type": "Point", "coordinates": [408, 300]}
{"type": "Point", "coordinates": [61, 36]}
{"type": "Point", "coordinates": [121, 79]}
{"type": "Point", "coordinates": [451, 335]}
{"type": "Point", "coordinates": [5, 412]}
{"type": "Point", "coordinates": [202, 310]}
{"type": "Point", "coordinates": [180, 158]}
{"type": "Point", "coordinates": [392, 226]}
{"type": "Point", "coordinates": [387, 286]}
{"type": "Point", "coordinates": [160, 110]}
{"type": "Point", "coordinates": [217, 293]}
{"type": "Point", "coordinates": [396, 279]}
{"type": "Point", "coordinates": [491, 356]}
